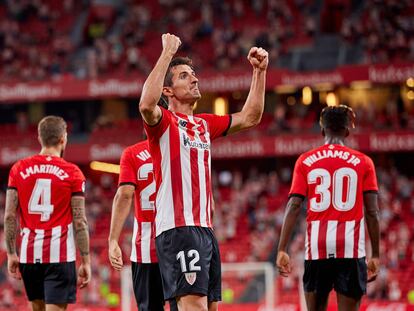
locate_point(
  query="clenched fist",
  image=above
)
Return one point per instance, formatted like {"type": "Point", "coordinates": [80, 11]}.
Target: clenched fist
{"type": "Point", "coordinates": [258, 57]}
{"type": "Point", "coordinates": [170, 43]}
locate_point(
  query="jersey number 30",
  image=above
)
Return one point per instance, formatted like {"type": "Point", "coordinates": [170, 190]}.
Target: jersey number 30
{"type": "Point", "coordinates": [40, 199]}
{"type": "Point", "coordinates": [341, 201]}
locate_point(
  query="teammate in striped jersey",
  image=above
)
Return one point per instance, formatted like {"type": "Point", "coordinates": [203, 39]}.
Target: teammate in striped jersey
{"type": "Point", "coordinates": [179, 143]}
{"type": "Point", "coordinates": [48, 193]}
{"type": "Point", "coordinates": [137, 178]}
{"type": "Point", "coordinates": [338, 182]}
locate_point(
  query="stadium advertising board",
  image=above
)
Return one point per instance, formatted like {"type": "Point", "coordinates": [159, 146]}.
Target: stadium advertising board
{"type": "Point", "coordinates": [68, 88]}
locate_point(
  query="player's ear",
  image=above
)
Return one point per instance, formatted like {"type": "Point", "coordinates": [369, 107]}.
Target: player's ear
{"type": "Point", "coordinates": [167, 91]}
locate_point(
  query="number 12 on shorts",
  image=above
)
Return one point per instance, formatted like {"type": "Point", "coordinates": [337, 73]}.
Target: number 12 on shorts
{"type": "Point", "coordinates": [192, 253]}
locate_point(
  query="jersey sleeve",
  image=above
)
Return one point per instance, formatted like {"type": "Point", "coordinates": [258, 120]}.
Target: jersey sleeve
{"type": "Point", "coordinates": [12, 184]}
{"type": "Point", "coordinates": [218, 125]}
{"type": "Point", "coordinates": [299, 185]}
{"type": "Point", "coordinates": [370, 177]}
{"type": "Point", "coordinates": [155, 131]}
{"type": "Point", "coordinates": [127, 174]}
{"type": "Point", "coordinates": [78, 182]}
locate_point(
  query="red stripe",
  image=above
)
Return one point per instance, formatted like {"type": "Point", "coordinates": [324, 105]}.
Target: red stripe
{"type": "Point", "coordinates": [46, 246]}
{"type": "Point", "coordinates": [356, 238]}
{"type": "Point", "coordinates": [63, 244]}
{"type": "Point", "coordinates": [30, 247]}
{"type": "Point", "coordinates": [309, 230]}
{"type": "Point", "coordinates": [323, 228]}
{"type": "Point", "coordinates": [153, 253]}
{"type": "Point", "coordinates": [138, 242]}
{"type": "Point", "coordinates": [340, 240]}
{"type": "Point", "coordinates": [176, 176]}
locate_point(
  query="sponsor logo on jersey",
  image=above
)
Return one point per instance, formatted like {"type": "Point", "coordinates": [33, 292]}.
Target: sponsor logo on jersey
{"type": "Point", "coordinates": [195, 143]}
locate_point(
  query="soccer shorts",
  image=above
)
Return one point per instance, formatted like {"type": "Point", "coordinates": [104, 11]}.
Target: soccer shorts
{"type": "Point", "coordinates": [189, 260]}
{"type": "Point", "coordinates": [54, 283]}
{"type": "Point", "coordinates": [146, 279]}
{"type": "Point", "coordinates": [348, 276]}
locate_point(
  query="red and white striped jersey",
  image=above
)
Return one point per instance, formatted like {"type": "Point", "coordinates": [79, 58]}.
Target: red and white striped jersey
{"type": "Point", "coordinates": [180, 149]}
{"type": "Point", "coordinates": [334, 179]}
{"type": "Point", "coordinates": [137, 170]}
{"type": "Point", "coordinates": [45, 185]}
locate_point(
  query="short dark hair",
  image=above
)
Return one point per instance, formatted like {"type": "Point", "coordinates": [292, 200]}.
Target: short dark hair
{"type": "Point", "coordinates": [176, 61]}
{"type": "Point", "coordinates": [337, 118]}
{"type": "Point", "coordinates": [51, 129]}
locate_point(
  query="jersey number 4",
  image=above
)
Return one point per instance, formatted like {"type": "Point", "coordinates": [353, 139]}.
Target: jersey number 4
{"type": "Point", "coordinates": [40, 199]}
{"type": "Point", "coordinates": [340, 189]}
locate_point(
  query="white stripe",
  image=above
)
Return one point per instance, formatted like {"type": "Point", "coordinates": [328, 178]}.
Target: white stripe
{"type": "Point", "coordinates": [349, 239]}
{"type": "Point", "coordinates": [38, 246]}
{"type": "Point", "coordinates": [331, 238]}
{"type": "Point", "coordinates": [164, 219]}
{"type": "Point", "coordinates": [361, 242]}
{"type": "Point", "coordinates": [23, 247]}
{"type": "Point", "coordinates": [55, 244]}
{"type": "Point", "coordinates": [70, 245]}
{"type": "Point", "coordinates": [146, 242]}
{"type": "Point", "coordinates": [185, 159]}
{"type": "Point", "coordinates": [134, 245]}
{"type": "Point", "coordinates": [314, 239]}
{"type": "Point", "coordinates": [307, 245]}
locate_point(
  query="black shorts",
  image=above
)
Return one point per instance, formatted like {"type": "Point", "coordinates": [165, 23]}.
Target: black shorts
{"type": "Point", "coordinates": [146, 279]}
{"type": "Point", "coordinates": [54, 283]}
{"type": "Point", "coordinates": [189, 260]}
{"type": "Point", "coordinates": [348, 276]}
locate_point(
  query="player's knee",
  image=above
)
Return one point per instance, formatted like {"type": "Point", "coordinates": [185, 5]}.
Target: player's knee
{"type": "Point", "coordinates": [38, 305]}
{"type": "Point", "coordinates": [192, 303]}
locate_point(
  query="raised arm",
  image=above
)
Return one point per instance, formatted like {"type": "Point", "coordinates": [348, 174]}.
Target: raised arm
{"type": "Point", "coordinates": [120, 210]}
{"type": "Point", "coordinates": [372, 220]}
{"type": "Point", "coordinates": [252, 111]}
{"type": "Point", "coordinates": [289, 222]}
{"type": "Point", "coordinates": [10, 231]}
{"type": "Point", "coordinates": [152, 89]}
{"type": "Point", "coordinates": [82, 239]}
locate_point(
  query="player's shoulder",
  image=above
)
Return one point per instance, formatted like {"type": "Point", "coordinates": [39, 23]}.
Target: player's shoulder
{"type": "Point", "coordinates": [137, 148]}
{"type": "Point", "coordinates": [358, 153]}
{"type": "Point", "coordinates": [138, 152]}
{"type": "Point", "coordinates": [30, 160]}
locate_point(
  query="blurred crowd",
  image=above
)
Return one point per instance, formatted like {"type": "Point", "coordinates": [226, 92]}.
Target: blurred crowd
{"type": "Point", "coordinates": [43, 38]}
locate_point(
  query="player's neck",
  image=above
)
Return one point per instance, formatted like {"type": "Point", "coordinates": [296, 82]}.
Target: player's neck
{"type": "Point", "coordinates": [51, 151]}
{"type": "Point", "coordinates": [334, 140]}
{"type": "Point", "coordinates": [186, 109]}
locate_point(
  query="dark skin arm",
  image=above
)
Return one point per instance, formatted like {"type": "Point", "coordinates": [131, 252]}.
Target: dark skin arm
{"type": "Point", "coordinates": [292, 213]}
{"type": "Point", "coordinates": [372, 220]}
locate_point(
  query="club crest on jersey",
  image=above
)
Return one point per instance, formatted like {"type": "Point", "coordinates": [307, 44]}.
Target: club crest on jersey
{"type": "Point", "coordinates": [190, 277]}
